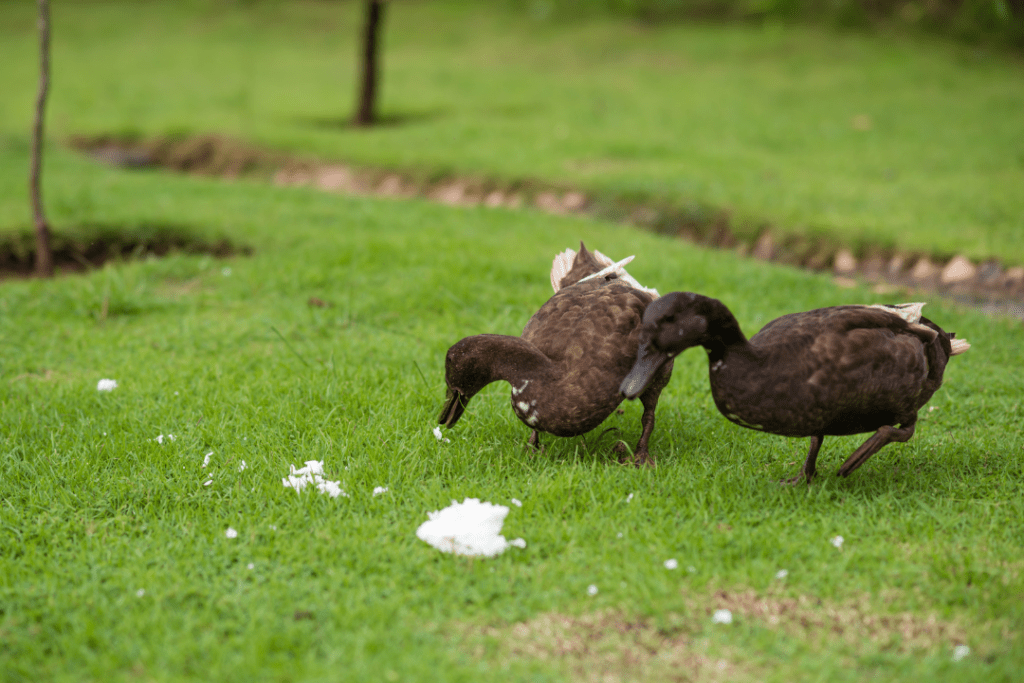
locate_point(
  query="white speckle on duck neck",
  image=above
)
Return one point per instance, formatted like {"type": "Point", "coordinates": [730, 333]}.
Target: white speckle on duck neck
{"type": "Point", "coordinates": [718, 365]}
{"type": "Point", "coordinates": [532, 420]}
{"type": "Point", "coordinates": [516, 392]}
{"type": "Point", "coordinates": [523, 406]}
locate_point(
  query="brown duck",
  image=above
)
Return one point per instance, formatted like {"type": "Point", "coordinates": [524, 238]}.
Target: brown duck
{"type": "Point", "coordinates": [831, 371]}
{"type": "Point", "coordinates": [566, 368]}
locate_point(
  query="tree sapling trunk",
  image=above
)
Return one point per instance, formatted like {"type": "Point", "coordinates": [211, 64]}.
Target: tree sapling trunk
{"type": "Point", "coordinates": [366, 111]}
{"type": "Point", "coordinates": [44, 255]}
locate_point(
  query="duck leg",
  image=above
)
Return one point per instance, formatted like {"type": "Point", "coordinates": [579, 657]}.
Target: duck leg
{"type": "Point", "coordinates": [533, 443]}
{"type": "Point", "coordinates": [641, 456]}
{"type": "Point", "coordinates": [808, 470]}
{"type": "Point", "coordinates": [874, 444]}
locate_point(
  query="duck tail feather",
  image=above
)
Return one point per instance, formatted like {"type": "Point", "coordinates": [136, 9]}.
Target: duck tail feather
{"type": "Point", "coordinates": [958, 346]}
{"type": "Point", "coordinates": [560, 267]}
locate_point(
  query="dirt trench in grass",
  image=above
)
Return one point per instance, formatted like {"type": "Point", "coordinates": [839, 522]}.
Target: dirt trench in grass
{"type": "Point", "coordinates": [87, 247]}
{"type": "Point", "coordinates": [991, 286]}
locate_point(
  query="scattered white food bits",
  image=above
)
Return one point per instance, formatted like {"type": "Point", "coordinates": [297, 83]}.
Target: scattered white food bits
{"type": "Point", "coordinates": [331, 488]}
{"type": "Point", "coordinates": [231, 533]}
{"type": "Point", "coordinates": [781, 574]}
{"type": "Point", "coordinates": [468, 528]}
{"type": "Point", "coordinates": [226, 272]}
{"type": "Point", "coordinates": [242, 466]}
{"type": "Point", "coordinates": [207, 482]}
{"type": "Point", "coordinates": [592, 590]}
{"type": "Point", "coordinates": [671, 564]}
{"type": "Point", "coordinates": [691, 569]}
{"type": "Point", "coordinates": [960, 651]}
{"type": "Point", "coordinates": [142, 591]}
{"type": "Point", "coordinates": [206, 460]}
{"type": "Point", "coordinates": [312, 473]}
{"type": "Point", "coordinates": [106, 385]}
{"type": "Point", "coordinates": [160, 438]}
{"type": "Point", "coordinates": [837, 541]}
{"type": "Point", "coordinates": [273, 527]}
{"type": "Point", "coordinates": [618, 535]}
{"type": "Point", "coordinates": [629, 497]}
{"type": "Point", "coordinates": [517, 502]}
{"type": "Point", "coordinates": [437, 435]}
{"type": "Point", "coordinates": [250, 566]}
{"type": "Point", "coordinates": [378, 490]}
{"type": "Point", "coordinates": [721, 616]}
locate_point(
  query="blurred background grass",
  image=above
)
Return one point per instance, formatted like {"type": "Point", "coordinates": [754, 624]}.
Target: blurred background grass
{"type": "Point", "coordinates": [868, 139]}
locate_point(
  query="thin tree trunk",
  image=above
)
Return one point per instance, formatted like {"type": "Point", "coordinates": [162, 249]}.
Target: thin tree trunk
{"type": "Point", "coordinates": [44, 255]}
{"type": "Point", "coordinates": [366, 112]}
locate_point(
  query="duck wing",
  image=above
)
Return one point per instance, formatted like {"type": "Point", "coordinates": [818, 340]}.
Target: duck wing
{"type": "Point", "coordinates": [838, 370]}
{"type": "Point", "coordinates": [590, 332]}
{"type": "Point", "coordinates": [591, 322]}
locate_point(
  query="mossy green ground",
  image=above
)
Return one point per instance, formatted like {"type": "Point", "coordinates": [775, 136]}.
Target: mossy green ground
{"type": "Point", "coordinates": [114, 562]}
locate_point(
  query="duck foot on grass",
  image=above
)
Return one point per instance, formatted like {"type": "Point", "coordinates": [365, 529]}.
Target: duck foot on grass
{"type": "Point", "coordinates": [878, 440]}
{"type": "Point", "coordinates": [808, 470]}
{"type": "Point", "coordinates": [638, 459]}
{"type": "Point", "coordinates": [885, 435]}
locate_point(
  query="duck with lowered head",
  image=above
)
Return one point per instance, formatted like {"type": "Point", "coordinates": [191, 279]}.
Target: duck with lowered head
{"type": "Point", "coordinates": [566, 367]}
{"type": "Point", "coordinates": [831, 371]}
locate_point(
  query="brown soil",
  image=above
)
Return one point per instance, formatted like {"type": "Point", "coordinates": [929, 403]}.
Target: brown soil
{"type": "Point", "coordinates": [991, 286]}
{"type": "Point", "coordinates": [611, 646]}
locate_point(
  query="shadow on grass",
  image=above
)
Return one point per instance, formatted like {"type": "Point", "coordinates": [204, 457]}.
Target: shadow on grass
{"type": "Point", "coordinates": [394, 119]}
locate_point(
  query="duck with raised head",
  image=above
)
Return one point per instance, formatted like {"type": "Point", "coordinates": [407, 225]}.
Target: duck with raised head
{"type": "Point", "coordinates": [831, 371]}
{"type": "Point", "coordinates": [566, 367]}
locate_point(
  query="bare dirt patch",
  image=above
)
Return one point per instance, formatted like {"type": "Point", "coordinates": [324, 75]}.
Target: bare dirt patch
{"type": "Point", "coordinates": [852, 623]}
{"type": "Point", "coordinates": [991, 285]}
{"type": "Point", "coordinates": [611, 646]}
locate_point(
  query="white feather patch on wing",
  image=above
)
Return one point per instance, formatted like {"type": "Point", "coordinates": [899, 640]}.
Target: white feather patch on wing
{"type": "Point", "coordinates": [615, 268]}
{"type": "Point", "coordinates": [909, 312]}
{"type": "Point", "coordinates": [602, 259]}
{"type": "Point", "coordinates": [623, 275]}
{"type": "Point", "coordinates": [560, 267]}
{"type": "Point", "coordinates": [564, 261]}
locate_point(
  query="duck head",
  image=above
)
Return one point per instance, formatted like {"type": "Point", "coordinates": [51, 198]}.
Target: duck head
{"type": "Point", "coordinates": [672, 324]}
{"type": "Point", "coordinates": [468, 368]}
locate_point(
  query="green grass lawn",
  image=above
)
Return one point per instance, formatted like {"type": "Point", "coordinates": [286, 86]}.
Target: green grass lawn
{"type": "Point", "coordinates": [114, 561]}
{"type": "Point", "coordinates": [883, 140]}
{"type": "Point", "coordinates": [95, 511]}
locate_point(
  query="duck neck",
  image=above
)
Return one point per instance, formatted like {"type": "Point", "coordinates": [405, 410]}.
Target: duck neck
{"type": "Point", "coordinates": [724, 335]}
{"type": "Point", "coordinates": [514, 360]}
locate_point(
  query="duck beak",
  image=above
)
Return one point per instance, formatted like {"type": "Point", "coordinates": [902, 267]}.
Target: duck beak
{"type": "Point", "coordinates": [454, 405]}
{"type": "Point", "coordinates": [648, 361]}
